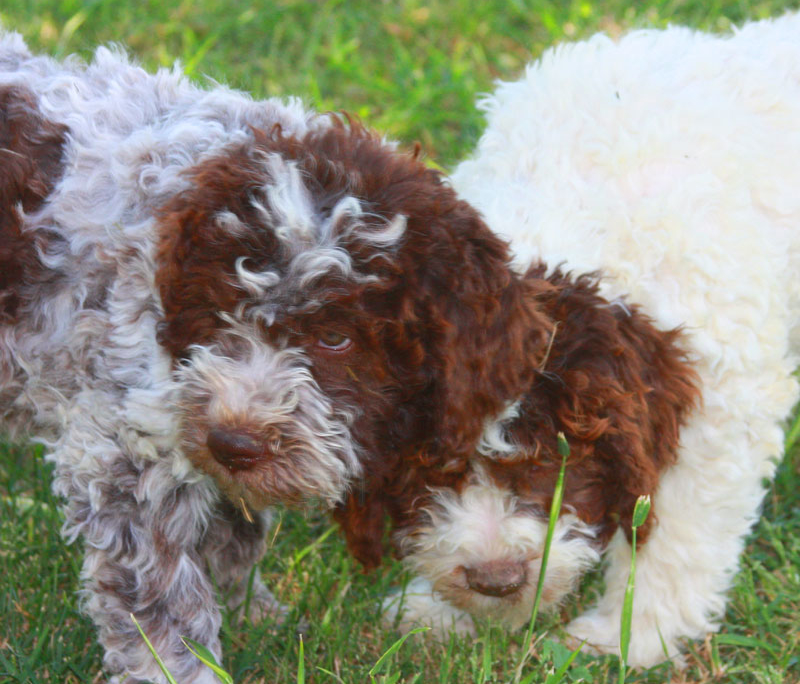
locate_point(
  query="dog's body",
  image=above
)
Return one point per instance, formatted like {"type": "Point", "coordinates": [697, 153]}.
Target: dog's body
{"type": "Point", "coordinates": [210, 304]}
{"type": "Point", "coordinates": [666, 164]}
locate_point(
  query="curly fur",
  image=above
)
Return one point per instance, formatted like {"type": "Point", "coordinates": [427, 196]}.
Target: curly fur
{"type": "Point", "coordinates": [660, 174]}
{"type": "Point", "coordinates": [209, 305]}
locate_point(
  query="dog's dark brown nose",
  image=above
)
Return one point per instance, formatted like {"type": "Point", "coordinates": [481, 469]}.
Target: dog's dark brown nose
{"type": "Point", "coordinates": [235, 449]}
{"type": "Point", "coordinates": [497, 578]}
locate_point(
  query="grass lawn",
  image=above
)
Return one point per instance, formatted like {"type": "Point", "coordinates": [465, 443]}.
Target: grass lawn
{"type": "Point", "coordinates": [412, 69]}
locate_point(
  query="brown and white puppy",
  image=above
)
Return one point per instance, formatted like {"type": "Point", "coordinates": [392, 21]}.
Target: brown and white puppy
{"type": "Point", "coordinates": [616, 386]}
{"type": "Point", "coordinates": [665, 163]}
{"type": "Point", "coordinates": [209, 305]}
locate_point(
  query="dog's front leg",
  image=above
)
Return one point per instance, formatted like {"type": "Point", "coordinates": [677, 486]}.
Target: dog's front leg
{"type": "Point", "coordinates": [233, 544]}
{"type": "Point", "coordinates": [141, 529]}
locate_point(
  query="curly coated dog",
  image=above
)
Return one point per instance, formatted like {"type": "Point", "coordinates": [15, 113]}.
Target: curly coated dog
{"type": "Point", "coordinates": [649, 188]}
{"type": "Point", "coordinates": [210, 304]}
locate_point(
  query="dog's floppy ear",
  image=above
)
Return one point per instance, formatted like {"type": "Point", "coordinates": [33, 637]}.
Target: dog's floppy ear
{"type": "Point", "coordinates": [489, 332]}
{"type": "Point", "coordinates": [619, 388]}
{"type": "Point", "coordinates": [362, 519]}
{"type": "Point", "coordinates": [468, 331]}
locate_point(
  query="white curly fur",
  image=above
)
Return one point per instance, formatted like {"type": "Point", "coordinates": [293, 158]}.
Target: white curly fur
{"type": "Point", "coordinates": [668, 161]}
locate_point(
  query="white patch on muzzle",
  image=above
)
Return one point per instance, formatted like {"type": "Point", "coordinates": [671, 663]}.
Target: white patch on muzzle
{"type": "Point", "coordinates": [485, 524]}
{"type": "Point", "coordinates": [263, 390]}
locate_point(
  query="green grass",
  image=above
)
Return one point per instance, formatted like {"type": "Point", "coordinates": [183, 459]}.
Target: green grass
{"type": "Point", "coordinates": [412, 69]}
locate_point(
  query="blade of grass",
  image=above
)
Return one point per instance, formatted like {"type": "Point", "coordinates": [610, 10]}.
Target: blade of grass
{"type": "Point", "coordinates": [558, 675]}
{"type": "Point", "coordinates": [248, 596]}
{"type": "Point", "coordinates": [310, 547]}
{"type": "Point", "coordinates": [157, 657]}
{"type": "Point", "coordinates": [640, 513]}
{"type": "Point", "coordinates": [301, 664]}
{"type": "Point", "coordinates": [486, 671]}
{"type": "Point", "coordinates": [555, 509]}
{"type": "Point", "coordinates": [744, 641]}
{"type": "Point", "coordinates": [381, 662]}
{"type": "Point", "coordinates": [792, 434]}
{"type": "Point", "coordinates": [207, 658]}
{"type": "Point", "coordinates": [332, 674]}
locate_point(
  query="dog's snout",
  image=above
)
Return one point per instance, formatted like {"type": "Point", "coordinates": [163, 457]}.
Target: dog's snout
{"type": "Point", "coordinates": [235, 449]}
{"type": "Point", "coordinates": [497, 578]}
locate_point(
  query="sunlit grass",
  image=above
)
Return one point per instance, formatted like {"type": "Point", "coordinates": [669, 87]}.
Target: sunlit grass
{"type": "Point", "coordinates": [410, 68]}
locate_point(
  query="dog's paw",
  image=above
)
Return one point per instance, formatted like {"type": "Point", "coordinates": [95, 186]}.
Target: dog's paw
{"type": "Point", "coordinates": [600, 635]}
{"type": "Point", "coordinates": [264, 606]}
{"type": "Point", "coordinates": [259, 606]}
{"type": "Point", "coordinates": [417, 605]}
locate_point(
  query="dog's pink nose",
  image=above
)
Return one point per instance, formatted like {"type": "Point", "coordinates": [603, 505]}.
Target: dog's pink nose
{"type": "Point", "coordinates": [497, 578]}
{"type": "Point", "coordinates": [235, 449]}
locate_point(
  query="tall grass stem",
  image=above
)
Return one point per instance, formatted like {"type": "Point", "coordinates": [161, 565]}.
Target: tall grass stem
{"type": "Point", "coordinates": [555, 509]}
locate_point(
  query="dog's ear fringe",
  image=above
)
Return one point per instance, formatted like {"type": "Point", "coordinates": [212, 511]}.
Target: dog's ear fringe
{"type": "Point", "coordinates": [485, 335]}
{"type": "Point", "coordinates": [362, 517]}
{"type": "Point", "coordinates": [495, 335]}
{"type": "Point", "coordinates": [619, 388]}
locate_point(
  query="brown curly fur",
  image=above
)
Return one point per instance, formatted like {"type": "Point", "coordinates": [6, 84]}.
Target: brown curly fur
{"type": "Point", "coordinates": [30, 165]}
{"type": "Point", "coordinates": [618, 388]}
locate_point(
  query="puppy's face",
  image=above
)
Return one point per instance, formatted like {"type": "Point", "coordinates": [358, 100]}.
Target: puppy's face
{"type": "Point", "coordinates": [619, 389]}
{"type": "Point", "coordinates": [481, 546]}
{"type": "Point", "coordinates": [313, 290]}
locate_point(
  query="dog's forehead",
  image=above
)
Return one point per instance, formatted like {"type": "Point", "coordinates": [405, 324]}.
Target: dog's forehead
{"type": "Point", "coordinates": [323, 244]}
{"type": "Point", "coordinates": [283, 221]}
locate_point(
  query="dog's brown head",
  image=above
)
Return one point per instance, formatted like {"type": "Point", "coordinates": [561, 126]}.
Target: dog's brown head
{"type": "Point", "coordinates": [335, 310]}
{"type": "Point", "coordinates": [617, 387]}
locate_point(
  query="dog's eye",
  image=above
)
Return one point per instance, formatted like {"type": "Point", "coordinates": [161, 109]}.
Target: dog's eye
{"type": "Point", "coordinates": [333, 341]}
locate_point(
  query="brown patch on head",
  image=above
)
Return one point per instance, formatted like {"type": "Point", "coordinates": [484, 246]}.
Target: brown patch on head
{"type": "Point", "coordinates": [443, 332]}
{"type": "Point", "coordinates": [620, 390]}
{"type": "Point", "coordinates": [197, 256]}
{"type": "Point", "coordinates": [30, 165]}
